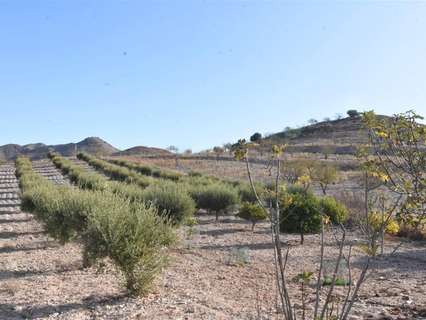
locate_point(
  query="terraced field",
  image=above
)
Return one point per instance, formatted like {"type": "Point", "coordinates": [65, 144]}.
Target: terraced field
{"type": "Point", "coordinates": [42, 279]}
{"type": "Point", "coordinates": [9, 189]}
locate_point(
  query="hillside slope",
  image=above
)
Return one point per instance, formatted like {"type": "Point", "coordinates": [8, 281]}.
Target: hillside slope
{"type": "Point", "coordinates": [93, 145]}
{"type": "Point", "coordinates": [341, 136]}
{"type": "Point", "coordinates": [143, 151]}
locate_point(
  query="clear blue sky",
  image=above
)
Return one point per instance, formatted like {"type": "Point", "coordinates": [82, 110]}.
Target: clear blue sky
{"type": "Point", "coordinates": [200, 73]}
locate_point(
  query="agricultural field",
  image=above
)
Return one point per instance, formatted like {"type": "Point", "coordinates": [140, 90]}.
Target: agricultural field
{"type": "Point", "coordinates": [74, 245]}
{"type": "Point", "coordinates": [347, 166]}
{"type": "Point", "coordinates": [212, 160]}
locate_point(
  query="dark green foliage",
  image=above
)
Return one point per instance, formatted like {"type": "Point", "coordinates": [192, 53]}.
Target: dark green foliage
{"type": "Point", "coordinates": [194, 174]}
{"type": "Point", "coordinates": [353, 113]}
{"type": "Point", "coordinates": [252, 212]}
{"type": "Point", "coordinates": [301, 212]}
{"type": "Point", "coordinates": [337, 211]}
{"type": "Point", "coordinates": [256, 137]}
{"type": "Point", "coordinates": [172, 200]}
{"type": "Point", "coordinates": [216, 197]}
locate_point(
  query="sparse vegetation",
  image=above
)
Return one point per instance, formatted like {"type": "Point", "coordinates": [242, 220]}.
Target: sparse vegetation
{"type": "Point", "coordinates": [305, 210]}
{"type": "Point", "coordinates": [325, 175]}
{"type": "Point", "coordinates": [291, 203]}
{"type": "Point", "coordinates": [400, 162]}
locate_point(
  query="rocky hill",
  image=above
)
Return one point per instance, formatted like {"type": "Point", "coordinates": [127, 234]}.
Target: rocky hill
{"type": "Point", "coordinates": [341, 136]}
{"type": "Point", "coordinates": [91, 145]}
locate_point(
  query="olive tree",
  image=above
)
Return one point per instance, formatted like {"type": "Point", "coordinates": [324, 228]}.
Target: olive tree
{"type": "Point", "coordinates": [325, 175]}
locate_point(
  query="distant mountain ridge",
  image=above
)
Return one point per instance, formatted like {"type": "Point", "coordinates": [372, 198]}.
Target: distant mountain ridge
{"type": "Point", "coordinates": [92, 145]}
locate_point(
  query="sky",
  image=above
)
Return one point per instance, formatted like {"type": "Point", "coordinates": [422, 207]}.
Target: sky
{"type": "Point", "coordinates": [196, 74]}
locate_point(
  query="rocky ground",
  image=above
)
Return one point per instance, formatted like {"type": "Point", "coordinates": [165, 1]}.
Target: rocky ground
{"type": "Point", "coordinates": [219, 271]}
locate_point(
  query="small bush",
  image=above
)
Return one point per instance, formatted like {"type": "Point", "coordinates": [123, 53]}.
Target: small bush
{"type": "Point", "coordinates": [238, 257]}
{"type": "Point", "coordinates": [376, 221]}
{"type": "Point", "coordinates": [337, 211]}
{"type": "Point", "coordinates": [134, 238]}
{"type": "Point", "coordinates": [215, 197]}
{"type": "Point", "coordinates": [172, 200]}
{"type": "Point", "coordinates": [252, 212]}
{"type": "Point", "coordinates": [301, 212]}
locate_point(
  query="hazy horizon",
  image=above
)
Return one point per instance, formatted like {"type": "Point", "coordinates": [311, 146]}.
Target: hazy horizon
{"type": "Point", "coordinates": [196, 74]}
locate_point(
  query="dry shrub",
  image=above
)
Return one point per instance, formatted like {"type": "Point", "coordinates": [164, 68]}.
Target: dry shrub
{"type": "Point", "coordinates": [412, 233]}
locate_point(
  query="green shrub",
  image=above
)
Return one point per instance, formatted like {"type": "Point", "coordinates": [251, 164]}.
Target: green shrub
{"type": "Point", "coordinates": [252, 212]}
{"type": "Point", "coordinates": [132, 235]}
{"type": "Point", "coordinates": [337, 211]}
{"type": "Point", "coordinates": [198, 180]}
{"type": "Point", "coordinates": [246, 193]}
{"type": "Point", "coordinates": [116, 172]}
{"type": "Point", "coordinates": [301, 212]}
{"type": "Point", "coordinates": [215, 197]}
{"type": "Point", "coordinates": [146, 170]}
{"type": "Point", "coordinates": [79, 176]}
{"type": "Point", "coordinates": [195, 174]}
{"type": "Point", "coordinates": [171, 200]}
